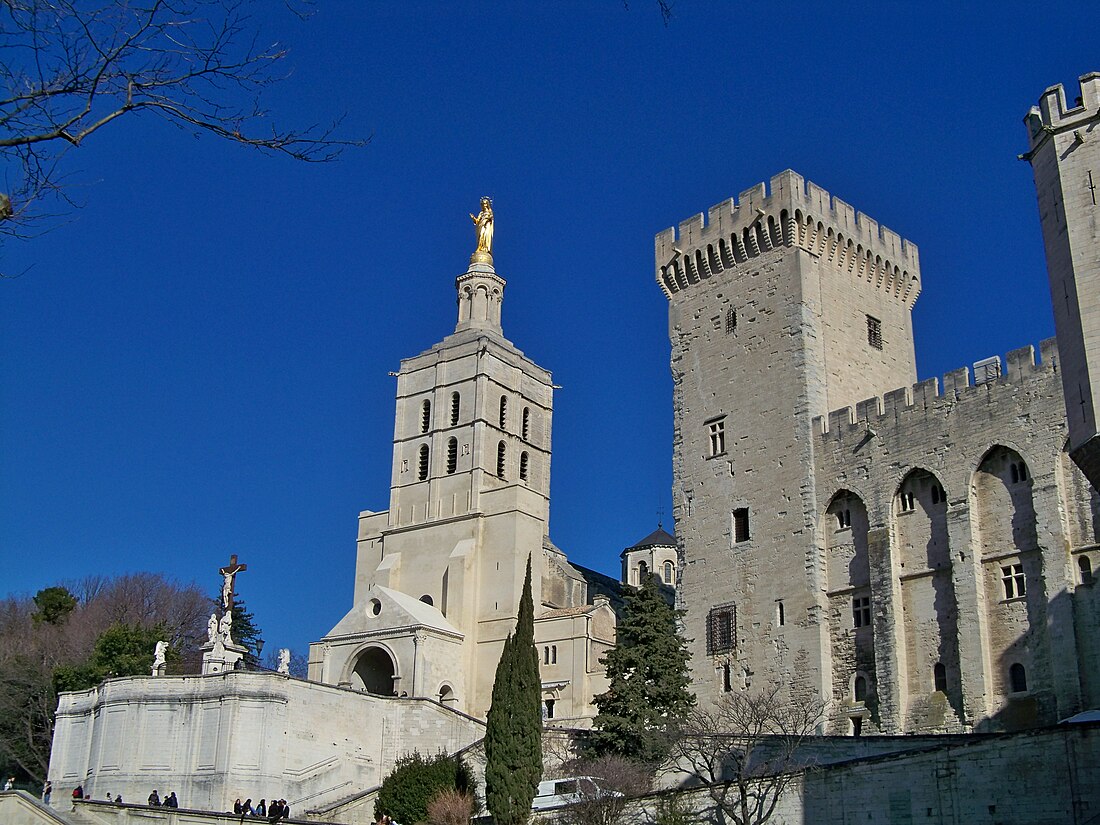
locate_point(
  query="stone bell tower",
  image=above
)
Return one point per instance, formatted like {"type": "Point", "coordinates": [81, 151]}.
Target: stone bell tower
{"type": "Point", "coordinates": [439, 575]}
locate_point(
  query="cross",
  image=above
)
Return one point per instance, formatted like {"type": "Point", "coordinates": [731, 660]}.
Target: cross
{"type": "Point", "coordinates": [228, 573]}
{"type": "Point", "coordinates": [1092, 188]}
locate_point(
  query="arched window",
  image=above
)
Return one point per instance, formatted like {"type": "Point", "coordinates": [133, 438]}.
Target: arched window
{"type": "Point", "coordinates": [859, 689]}
{"type": "Point", "coordinates": [501, 456]}
{"type": "Point", "coordinates": [503, 411]}
{"type": "Point", "coordinates": [669, 572]}
{"type": "Point", "coordinates": [456, 403]}
{"type": "Point", "coordinates": [553, 654]}
{"type": "Point", "coordinates": [546, 655]}
{"type": "Point", "coordinates": [428, 600]}
{"type": "Point", "coordinates": [524, 460]}
{"type": "Point", "coordinates": [939, 677]}
{"type": "Point", "coordinates": [1084, 564]}
{"type": "Point", "coordinates": [425, 416]}
{"type": "Point", "coordinates": [1017, 678]}
{"type": "Point", "coordinates": [422, 469]}
{"type": "Point", "coordinates": [452, 455]}
{"type": "Point", "coordinates": [643, 571]}
{"type": "Point", "coordinates": [526, 423]}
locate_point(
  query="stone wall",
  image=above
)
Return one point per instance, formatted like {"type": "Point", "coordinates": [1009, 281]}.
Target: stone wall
{"type": "Point", "coordinates": [212, 739]}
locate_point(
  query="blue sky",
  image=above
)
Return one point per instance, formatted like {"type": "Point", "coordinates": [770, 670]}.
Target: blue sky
{"type": "Point", "coordinates": [196, 364]}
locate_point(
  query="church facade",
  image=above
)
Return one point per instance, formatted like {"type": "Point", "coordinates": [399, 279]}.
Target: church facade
{"type": "Point", "coordinates": [438, 576]}
{"type": "Point", "coordinates": [916, 556]}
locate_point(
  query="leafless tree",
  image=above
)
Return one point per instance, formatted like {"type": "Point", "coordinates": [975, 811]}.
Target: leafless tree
{"type": "Point", "coordinates": [607, 800]}
{"type": "Point", "coordinates": [746, 751]}
{"type": "Point", "coordinates": [70, 69]}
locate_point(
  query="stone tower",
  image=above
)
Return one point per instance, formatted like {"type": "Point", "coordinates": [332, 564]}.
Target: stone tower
{"type": "Point", "coordinates": [1065, 157]}
{"type": "Point", "coordinates": [783, 305]}
{"type": "Point", "coordinates": [439, 575]}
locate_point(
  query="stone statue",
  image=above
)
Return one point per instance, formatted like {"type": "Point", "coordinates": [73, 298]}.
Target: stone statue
{"type": "Point", "coordinates": [159, 658]}
{"type": "Point", "coordinates": [284, 661]}
{"type": "Point", "coordinates": [484, 223]}
{"type": "Point", "coordinates": [225, 628]}
{"type": "Point", "coordinates": [229, 573]}
{"type": "Point", "coordinates": [212, 628]}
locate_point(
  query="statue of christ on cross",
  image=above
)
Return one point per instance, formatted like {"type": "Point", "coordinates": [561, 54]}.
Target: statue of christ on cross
{"type": "Point", "coordinates": [229, 572]}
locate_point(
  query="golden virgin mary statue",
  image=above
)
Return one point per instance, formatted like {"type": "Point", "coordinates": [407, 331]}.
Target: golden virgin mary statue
{"type": "Point", "coordinates": [483, 225]}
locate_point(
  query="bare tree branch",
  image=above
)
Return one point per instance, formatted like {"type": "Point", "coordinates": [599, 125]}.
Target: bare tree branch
{"type": "Point", "coordinates": [71, 68]}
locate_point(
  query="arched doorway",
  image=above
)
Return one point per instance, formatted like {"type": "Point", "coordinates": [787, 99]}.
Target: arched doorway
{"type": "Point", "coordinates": [374, 672]}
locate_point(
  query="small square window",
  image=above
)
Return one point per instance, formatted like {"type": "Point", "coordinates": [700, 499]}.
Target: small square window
{"type": "Point", "coordinates": [1012, 578]}
{"type": "Point", "coordinates": [716, 432]}
{"type": "Point", "coordinates": [861, 611]}
{"type": "Point", "coordinates": [874, 332]}
{"type": "Point", "coordinates": [721, 629]}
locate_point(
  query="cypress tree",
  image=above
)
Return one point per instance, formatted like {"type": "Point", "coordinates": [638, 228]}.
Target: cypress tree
{"type": "Point", "coordinates": [648, 674]}
{"type": "Point", "coordinates": [513, 729]}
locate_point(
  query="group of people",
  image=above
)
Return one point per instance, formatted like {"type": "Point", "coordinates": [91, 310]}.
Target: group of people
{"type": "Point", "coordinates": [169, 801]}
{"type": "Point", "coordinates": [278, 809]}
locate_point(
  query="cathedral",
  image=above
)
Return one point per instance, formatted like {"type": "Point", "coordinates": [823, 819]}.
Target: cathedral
{"type": "Point", "coordinates": [918, 557]}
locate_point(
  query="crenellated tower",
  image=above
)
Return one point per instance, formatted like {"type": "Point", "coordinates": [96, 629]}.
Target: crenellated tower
{"type": "Point", "coordinates": [782, 305]}
{"type": "Point", "coordinates": [1064, 151]}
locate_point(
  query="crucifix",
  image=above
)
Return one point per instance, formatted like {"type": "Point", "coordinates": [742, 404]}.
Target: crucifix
{"type": "Point", "coordinates": [228, 573]}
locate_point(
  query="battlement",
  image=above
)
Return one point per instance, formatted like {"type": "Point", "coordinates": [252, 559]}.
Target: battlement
{"type": "Point", "coordinates": [921, 399]}
{"type": "Point", "coordinates": [795, 212]}
{"type": "Point", "coordinates": [1052, 114]}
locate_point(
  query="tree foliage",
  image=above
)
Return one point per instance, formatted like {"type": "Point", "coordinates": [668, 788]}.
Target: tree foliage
{"type": "Point", "coordinates": [648, 674]}
{"type": "Point", "coordinates": [416, 780]}
{"type": "Point", "coordinates": [54, 605]}
{"type": "Point", "coordinates": [246, 632]}
{"type": "Point", "coordinates": [746, 750]}
{"type": "Point", "coordinates": [42, 642]}
{"type": "Point", "coordinates": [70, 70]}
{"type": "Point", "coordinates": [513, 729]}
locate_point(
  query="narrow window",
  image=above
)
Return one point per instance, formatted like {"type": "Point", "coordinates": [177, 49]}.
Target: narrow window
{"type": "Point", "coordinates": [1012, 577]}
{"type": "Point", "coordinates": [908, 501]}
{"type": "Point", "coordinates": [741, 525]}
{"type": "Point", "coordinates": [1017, 677]}
{"type": "Point", "coordinates": [716, 431]}
{"type": "Point", "coordinates": [456, 404]}
{"type": "Point", "coordinates": [526, 423]}
{"type": "Point", "coordinates": [422, 468]}
{"type": "Point", "coordinates": [634, 576]}
{"type": "Point", "coordinates": [553, 654]}
{"type": "Point", "coordinates": [501, 455]}
{"type": "Point", "coordinates": [1015, 473]}
{"type": "Point", "coordinates": [425, 416]}
{"type": "Point", "coordinates": [938, 495]}
{"type": "Point", "coordinates": [452, 455]}
{"type": "Point", "coordinates": [546, 655]}
{"type": "Point", "coordinates": [721, 629]}
{"type": "Point", "coordinates": [669, 571]}
{"type": "Point", "coordinates": [524, 460]}
{"type": "Point", "coordinates": [874, 332]}
{"type": "Point", "coordinates": [731, 320]}
{"type": "Point", "coordinates": [861, 611]}
{"type": "Point", "coordinates": [939, 677]}
{"type": "Point", "coordinates": [780, 613]}
{"type": "Point", "coordinates": [1084, 564]}
{"type": "Point", "coordinates": [727, 685]}
{"type": "Point", "coordinates": [860, 689]}
{"type": "Point", "coordinates": [549, 704]}
{"type": "Point", "coordinates": [643, 571]}
{"type": "Point", "coordinates": [843, 518]}
{"type": "Point", "coordinates": [503, 411]}
{"type": "Point", "coordinates": [857, 725]}
{"type": "Point", "coordinates": [1023, 471]}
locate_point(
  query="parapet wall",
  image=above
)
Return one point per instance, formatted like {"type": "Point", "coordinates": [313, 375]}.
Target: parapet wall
{"type": "Point", "coordinates": [1053, 113]}
{"type": "Point", "coordinates": [925, 398]}
{"type": "Point", "coordinates": [795, 212]}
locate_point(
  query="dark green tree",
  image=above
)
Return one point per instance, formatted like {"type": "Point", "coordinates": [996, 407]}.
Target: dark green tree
{"type": "Point", "coordinates": [513, 729]}
{"type": "Point", "coordinates": [120, 650]}
{"type": "Point", "coordinates": [648, 674]}
{"type": "Point", "coordinates": [415, 780]}
{"type": "Point", "coordinates": [54, 605]}
{"type": "Point", "coordinates": [246, 632]}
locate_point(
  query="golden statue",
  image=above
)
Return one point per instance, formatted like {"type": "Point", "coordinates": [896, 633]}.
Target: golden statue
{"type": "Point", "coordinates": [483, 222]}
